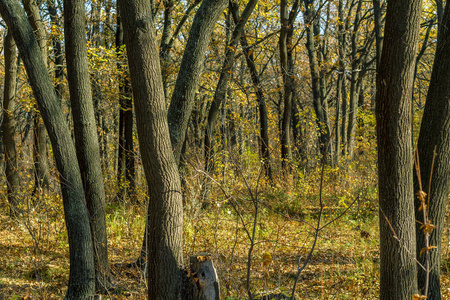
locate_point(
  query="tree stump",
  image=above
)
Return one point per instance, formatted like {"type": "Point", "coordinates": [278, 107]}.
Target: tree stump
{"type": "Point", "coordinates": [204, 283]}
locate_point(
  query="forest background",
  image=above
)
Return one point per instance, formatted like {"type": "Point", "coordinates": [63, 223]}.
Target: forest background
{"type": "Point", "coordinates": [278, 165]}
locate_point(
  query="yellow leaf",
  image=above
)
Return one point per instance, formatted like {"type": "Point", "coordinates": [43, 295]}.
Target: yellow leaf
{"type": "Point", "coordinates": [421, 195]}
{"type": "Point", "coordinates": [428, 228]}
{"type": "Point", "coordinates": [419, 297]}
{"type": "Point", "coordinates": [426, 249]}
{"type": "Point", "coordinates": [267, 259]}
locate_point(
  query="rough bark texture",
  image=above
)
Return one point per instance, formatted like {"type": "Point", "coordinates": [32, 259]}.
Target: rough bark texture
{"type": "Point", "coordinates": [435, 135]}
{"type": "Point", "coordinates": [395, 152]}
{"type": "Point", "coordinates": [9, 124]}
{"type": "Point", "coordinates": [191, 67]}
{"type": "Point", "coordinates": [165, 211]}
{"type": "Point", "coordinates": [81, 275]}
{"type": "Point", "coordinates": [86, 140]}
{"type": "Point", "coordinates": [41, 169]}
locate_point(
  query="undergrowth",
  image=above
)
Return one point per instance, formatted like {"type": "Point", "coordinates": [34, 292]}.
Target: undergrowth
{"type": "Point", "coordinates": [34, 261]}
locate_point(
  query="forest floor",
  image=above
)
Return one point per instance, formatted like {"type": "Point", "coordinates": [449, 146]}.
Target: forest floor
{"type": "Point", "coordinates": [344, 264]}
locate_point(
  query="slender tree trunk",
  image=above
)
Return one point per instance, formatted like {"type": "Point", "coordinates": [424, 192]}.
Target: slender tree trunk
{"type": "Point", "coordinates": [125, 162]}
{"type": "Point", "coordinates": [263, 120]}
{"type": "Point", "coordinates": [86, 140]}
{"type": "Point", "coordinates": [395, 151]}
{"type": "Point", "coordinates": [287, 70]}
{"type": "Point", "coordinates": [180, 108]}
{"type": "Point", "coordinates": [320, 107]}
{"type": "Point", "coordinates": [41, 169]}
{"type": "Point", "coordinates": [57, 51]}
{"type": "Point", "coordinates": [82, 274]}
{"type": "Point", "coordinates": [9, 124]}
{"type": "Point", "coordinates": [435, 136]}
{"type": "Point", "coordinates": [354, 79]}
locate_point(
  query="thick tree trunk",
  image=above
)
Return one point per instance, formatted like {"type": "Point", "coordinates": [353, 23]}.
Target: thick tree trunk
{"type": "Point", "coordinates": [395, 151]}
{"type": "Point", "coordinates": [435, 136]}
{"type": "Point", "coordinates": [9, 124]}
{"type": "Point", "coordinates": [165, 211]}
{"type": "Point", "coordinates": [82, 274]}
{"type": "Point", "coordinates": [191, 67]}
{"type": "Point", "coordinates": [86, 140]}
{"type": "Point", "coordinates": [180, 108]}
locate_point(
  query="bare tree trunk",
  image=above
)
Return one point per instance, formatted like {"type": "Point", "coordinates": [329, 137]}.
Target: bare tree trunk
{"type": "Point", "coordinates": [182, 101]}
{"type": "Point", "coordinates": [395, 151]}
{"type": "Point", "coordinates": [354, 78]}
{"type": "Point", "coordinates": [125, 162]}
{"type": "Point", "coordinates": [287, 71]}
{"type": "Point", "coordinates": [434, 139]}
{"type": "Point", "coordinates": [86, 140]}
{"type": "Point", "coordinates": [320, 105]}
{"type": "Point", "coordinates": [9, 124]}
{"type": "Point", "coordinates": [222, 85]}
{"type": "Point", "coordinates": [82, 273]}
{"type": "Point", "coordinates": [165, 212]}
{"type": "Point", "coordinates": [263, 120]}
{"type": "Point", "coordinates": [41, 169]}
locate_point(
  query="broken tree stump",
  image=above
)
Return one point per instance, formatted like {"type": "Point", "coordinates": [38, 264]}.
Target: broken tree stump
{"type": "Point", "coordinates": [204, 283]}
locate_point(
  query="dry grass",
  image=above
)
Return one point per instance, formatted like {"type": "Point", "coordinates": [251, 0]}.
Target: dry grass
{"type": "Point", "coordinates": [34, 250]}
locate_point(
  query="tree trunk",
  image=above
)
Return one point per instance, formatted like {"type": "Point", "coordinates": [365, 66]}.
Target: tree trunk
{"type": "Point", "coordinates": [180, 108]}
{"type": "Point", "coordinates": [320, 107]}
{"type": "Point", "coordinates": [395, 152]}
{"type": "Point", "coordinates": [354, 79]}
{"type": "Point", "coordinates": [125, 161]}
{"type": "Point", "coordinates": [57, 51]}
{"type": "Point", "coordinates": [263, 120]}
{"type": "Point", "coordinates": [41, 169]}
{"type": "Point", "coordinates": [165, 211]}
{"type": "Point", "coordinates": [82, 274]}
{"type": "Point", "coordinates": [9, 123]}
{"type": "Point", "coordinates": [435, 136]}
{"type": "Point", "coordinates": [186, 86]}
{"type": "Point", "coordinates": [86, 140]}
{"type": "Point", "coordinates": [221, 92]}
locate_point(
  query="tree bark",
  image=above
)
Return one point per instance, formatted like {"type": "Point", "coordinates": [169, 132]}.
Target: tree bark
{"type": "Point", "coordinates": [165, 211]}
{"type": "Point", "coordinates": [285, 46]}
{"type": "Point", "coordinates": [9, 123]}
{"type": "Point", "coordinates": [125, 162]}
{"type": "Point", "coordinates": [182, 101]}
{"type": "Point", "coordinates": [41, 169]}
{"type": "Point", "coordinates": [354, 79]}
{"type": "Point", "coordinates": [186, 86]}
{"type": "Point", "coordinates": [435, 136]}
{"type": "Point", "coordinates": [86, 139]}
{"type": "Point", "coordinates": [320, 104]}
{"type": "Point", "coordinates": [82, 274]}
{"type": "Point", "coordinates": [395, 152]}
